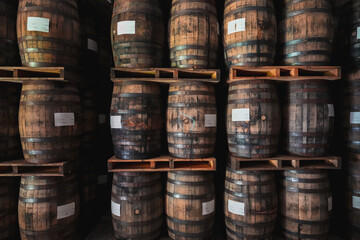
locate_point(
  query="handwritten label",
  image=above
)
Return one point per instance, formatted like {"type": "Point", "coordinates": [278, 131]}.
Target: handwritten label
{"type": "Point", "coordinates": [355, 118]}
{"type": "Point", "coordinates": [331, 110]}
{"type": "Point", "coordinates": [237, 25]}
{"type": "Point", "coordinates": [115, 208]}
{"type": "Point", "coordinates": [240, 115]}
{"type": "Point", "coordinates": [126, 27]}
{"type": "Point", "coordinates": [66, 210]}
{"type": "Point", "coordinates": [38, 24]}
{"type": "Point", "coordinates": [208, 207]}
{"type": "Point", "coordinates": [210, 120]}
{"type": "Point", "coordinates": [237, 208]}
{"type": "Point", "coordinates": [92, 45]}
{"type": "Point", "coordinates": [358, 33]}
{"type": "Point", "coordinates": [102, 118]}
{"type": "Point", "coordinates": [356, 202]}
{"type": "Point", "coordinates": [64, 119]}
{"type": "Point", "coordinates": [115, 122]}
{"type": "Point", "coordinates": [330, 203]}
{"type": "Point", "coordinates": [102, 179]}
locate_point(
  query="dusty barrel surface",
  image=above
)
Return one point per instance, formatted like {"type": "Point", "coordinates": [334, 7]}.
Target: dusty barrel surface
{"type": "Point", "coordinates": [308, 118]}
{"type": "Point", "coordinates": [353, 197]}
{"type": "Point", "coordinates": [137, 33]}
{"type": "Point", "coordinates": [136, 120]}
{"type": "Point", "coordinates": [137, 205]}
{"type": "Point", "coordinates": [306, 32]}
{"type": "Point", "coordinates": [49, 122]}
{"type": "Point", "coordinates": [305, 203]}
{"type": "Point", "coordinates": [191, 120]}
{"type": "Point", "coordinates": [9, 192]}
{"type": "Point", "coordinates": [193, 34]}
{"type": "Point", "coordinates": [8, 44]}
{"type": "Point", "coordinates": [253, 119]}
{"type": "Point", "coordinates": [250, 32]}
{"type": "Point", "coordinates": [48, 33]}
{"type": "Point", "coordinates": [190, 205]}
{"type": "Point", "coordinates": [48, 208]}
{"type": "Point", "coordinates": [250, 204]}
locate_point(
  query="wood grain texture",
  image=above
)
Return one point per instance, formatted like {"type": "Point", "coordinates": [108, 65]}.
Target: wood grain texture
{"type": "Point", "coordinates": [257, 191]}
{"type": "Point", "coordinates": [307, 118]}
{"type": "Point", "coordinates": [188, 105]}
{"type": "Point", "coordinates": [306, 32]}
{"type": "Point", "coordinates": [256, 45]}
{"type": "Point", "coordinates": [138, 104]}
{"type": "Point", "coordinates": [305, 208]}
{"type": "Point", "coordinates": [39, 214]}
{"type": "Point", "coordinates": [259, 137]}
{"type": "Point", "coordinates": [193, 34]}
{"type": "Point", "coordinates": [141, 205]}
{"type": "Point", "coordinates": [58, 47]}
{"type": "Point", "coordinates": [144, 48]}
{"type": "Point", "coordinates": [41, 140]}
{"type": "Point", "coordinates": [186, 194]}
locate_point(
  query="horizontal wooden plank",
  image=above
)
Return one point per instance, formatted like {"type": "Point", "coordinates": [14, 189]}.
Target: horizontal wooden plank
{"type": "Point", "coordinates": [21, 74]}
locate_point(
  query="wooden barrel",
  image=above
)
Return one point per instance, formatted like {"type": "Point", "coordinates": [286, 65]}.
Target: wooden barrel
{"type": "Point", "coordinates": [250, 204]}
{"type": "Point", "coordinates": [137, 33]}
{"type": "Point", "coordinates": [89, 41]}
{"type": "Point", "coordinates": [250, 32]}
{"type": "Point", "coordinates": [253, 119]}
{"type": "Point", "coordinates": [8, 45]}
{"type": "Point", "coordinates": [353, 197]}
{"type": "Point", "coordinates": [89, 121]}
{"type": "Point", "coordinates": [193, 34]}
{"type": "Point", "coordinates": [10, 146]}
{"type": "Point", "coordinates": [305, 204]}
{"type": "Point", "coordinates": [48, 33]}
{"type": "Point", "coordinates": [49, 122]}
{"type": "Point", "coordinates": [136, 120]}
{"type": "Point", "coordinates": [137, 205]}
{"type": "Point", "coordinates": [306, 32]}
{"type": "Point", "coordinates": [355, 34]}
{"type": "Point", "coordinates": [48, 208]}
{"type": "Point", "coordinates": [309, 118]}
{"type": "Point", "coordinates": [190, 205]}
{"type": "Point", "coordinates": [191, 120]}
{"type": "Point", "coordinates": [9, 192]}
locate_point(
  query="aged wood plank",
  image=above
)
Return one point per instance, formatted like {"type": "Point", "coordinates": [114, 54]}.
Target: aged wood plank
{"type": "Point", "coordinates": [21, 74]}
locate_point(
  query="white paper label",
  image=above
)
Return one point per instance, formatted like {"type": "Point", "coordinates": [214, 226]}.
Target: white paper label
{"type": "Point", "coordinates": [92, 45]}
{"type": "Point", "coordinates": [102, 118]}
{"type": "Point", "coordinates": [358, 33]}
{"type": "Point", "coordinates": [64, 119]}
{"type": "Point", "coordinates": [66, 210]}
{"type": "Point", "coordinates": [237, 208]}
{"type": "Point", "coordinates": [208, 207]}
{"type": "Point", "coordinates": [210, 120]}
{"type": "Point", "coordinates": [109, 1]}
{"type": "Point", "coordinates": [102, 179]}
{"type": "Point", "coordinates": [331, 110]}
{"type": "Point", "coordinates": [329, 203]}
{"type": "Point", "coordinates": [115, 122]}
{"type": "Point", "coordinates": [356, 202]}
{"type": "Point", "coordinates": [237, 25]}
{"type": "Point", "coordinates": [126, 27]}
{"type": "Point", "coordinates": [218, 28]}
{"type": "Point", "coordinates": [38, 24]}
{"type": "Point", "coordinates": [115, 208]}
{"type": "Point", "coordinates": [355, 117]}
{"type": "Point", "coordinates": [240, 114]}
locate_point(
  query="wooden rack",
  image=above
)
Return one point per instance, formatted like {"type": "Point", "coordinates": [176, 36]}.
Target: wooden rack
{"type": "Point", "coordinates": [21, 74]}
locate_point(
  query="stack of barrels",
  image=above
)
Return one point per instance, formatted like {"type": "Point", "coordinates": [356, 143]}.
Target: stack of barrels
{"type": "Point", "coordinates": [253, 119]}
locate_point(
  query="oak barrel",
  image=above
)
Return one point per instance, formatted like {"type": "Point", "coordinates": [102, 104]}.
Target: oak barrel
{"type": "Point", "coordinates": [309, 118]}
{"type": "Point", "coordinates": [89, 120]}
{"type": "Point", "coordinates": [49, 122]}
{"type": "Point", "coordinates": [190, 205]}
{"type": "Point", "coordinates": [306, 32]}
{"type": "Point", "coordinates": [9, 192]}
{"type": "Point", "coordinates": [48, 208]}
{"type": "Point", "coordinates": [250, 32]}
{"type": "Point", "coordinates": [253, 119]}
{"type": "Point", "coordinates": [48, 33]}
{"type": "Point", "coordinates": [136, 120]}
{"type": "Point", "coordinates": [10, 146]}
{"type": "Point", "coordinates": [353, 196]}
{"type": "Point", "coordinates": [193, 34]}
{"type": "Point", "coordinates": [250, 204]}
{"type": "Point", "coordinates": [137, 33]}
{"type": "Point", "coordinates": [355, 34]}
{"type": "Point", "coordinates": [8, 45]}
{"type": "Point", "coordinates": [137, 205]}
{"type": "Point", "coordinates": [305, 204]}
